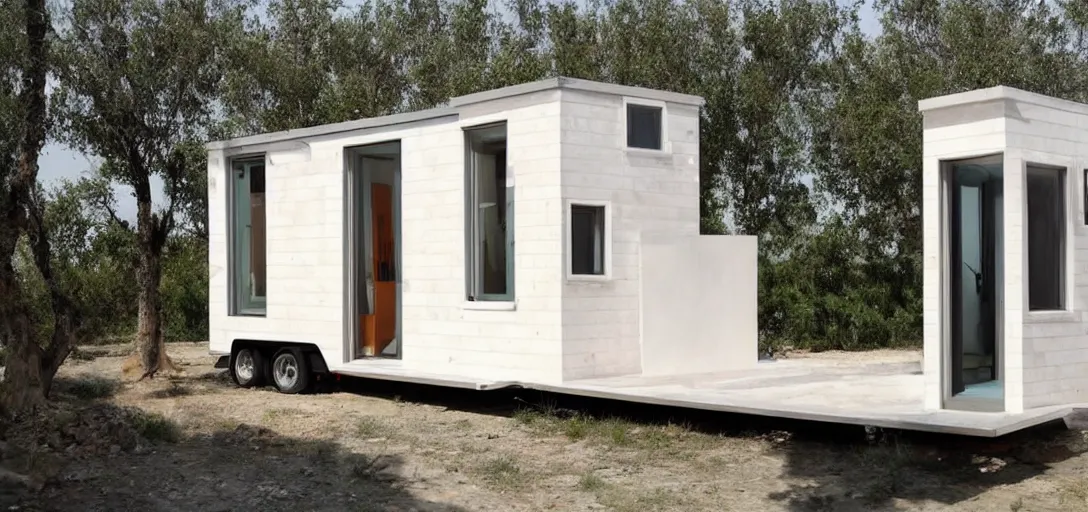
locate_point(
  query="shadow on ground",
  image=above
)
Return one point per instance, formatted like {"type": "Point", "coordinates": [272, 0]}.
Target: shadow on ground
{"type": "Point", "coordinates": [901, 468]}
{"type": "Point", "coordinates": [156, 468]}
{"type": "Point", "coordinates": [90, 386]}
{"type": "Point", "coordinates": [842, 467]}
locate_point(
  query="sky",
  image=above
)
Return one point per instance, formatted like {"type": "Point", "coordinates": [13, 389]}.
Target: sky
{"type": "Point", "coordinates": [60, 162]}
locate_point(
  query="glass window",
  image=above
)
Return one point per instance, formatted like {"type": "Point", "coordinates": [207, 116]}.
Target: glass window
{"type": "Point", "coordinates": [249, 233]}
{"type": "Point", "coordinates": [587, 240]}
{"type": "Point", "coordinates": [1046, 238]}
{"type": "Point", "coordinates": [490, 215]}
{"type": "Point", "coordinates": [643, 126]}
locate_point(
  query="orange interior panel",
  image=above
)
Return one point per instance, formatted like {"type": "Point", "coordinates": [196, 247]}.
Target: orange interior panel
{"type": "Point", "coordinates": [379, 328]}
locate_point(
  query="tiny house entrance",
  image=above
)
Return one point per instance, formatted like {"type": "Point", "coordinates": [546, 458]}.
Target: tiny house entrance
{"type": "Point", "coordinates": [374, 250]}
{"type": "Point", "coordinates": [974, 198]}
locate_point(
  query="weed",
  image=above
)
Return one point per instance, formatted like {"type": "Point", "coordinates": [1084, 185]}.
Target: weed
{"type": "Point", "coordinates": [368, 468]}
{"type": "Point", "coordinates": [471, 448]}
{"type": "Point", "coordinates": [156, 427]}
{"type": "Point", "coordinates": [503, 473]}
{"type": "Point", "coordinates": [370, 428]}
{"type": "Point", "coordinates": [527, 416]}
{"type": "Point", "coordinates": [78, 354]}
{"type": "Point", "coordinates": [175, 390]}
{"type": "Point", "coordinates": [225, 424]}
{"type": "Point", "coordinates": [323, 452]}
{"type": "Point", "coordinates": [1075, 491]}
{"type": "Point", "coordinates": [623, 501]}
{"type": "Point", "coordinates": [272, 415]}
{"type": "Point", "coordinates": [92, 388]}
{"type": "Point", "coordinates": [885, 464]}
{"type": "Point", "coordinates": [1017, 505]}
{"type": "Point", "coordinates": [576, 428]}
{"type": "Point", "coordinates": [591, 483]}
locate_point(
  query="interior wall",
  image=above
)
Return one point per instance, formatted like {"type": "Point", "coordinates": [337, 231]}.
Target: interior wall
{"type": "Point", "coordinates": [380, 169]}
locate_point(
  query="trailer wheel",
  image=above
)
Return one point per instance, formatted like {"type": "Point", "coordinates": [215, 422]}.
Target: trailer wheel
{"type": "Point", "coordinates": [248, 369]}
{"type": "Point", "coordinates": [290, 371]}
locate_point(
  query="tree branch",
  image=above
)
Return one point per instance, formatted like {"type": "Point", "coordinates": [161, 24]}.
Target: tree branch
{"type": "Point", "coordinates": [105, 203]}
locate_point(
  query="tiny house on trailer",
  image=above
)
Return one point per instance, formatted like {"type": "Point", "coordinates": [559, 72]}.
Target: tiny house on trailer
{"type": "Point", "coordinates": [546, 235]}
{"type": "Point", "coordinates": [531, 235]}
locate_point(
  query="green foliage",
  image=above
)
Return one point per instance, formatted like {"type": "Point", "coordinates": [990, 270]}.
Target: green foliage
{"type": "Point", "coordinates": [810, 136]}
{"type": "Point", "coordinates": [185, 290]}
{"type": "Point", "coordinates": [90, 387]}
{"type": "Point", "coordinates": [155, 427]}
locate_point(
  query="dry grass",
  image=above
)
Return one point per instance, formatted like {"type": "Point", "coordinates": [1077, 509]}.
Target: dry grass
{"type": "Point", "coordinates": [503, 473]}
{"type": "Point", "coordinates": [88, 387]}
{"type": "Point", "coordinates": [337, 448]}
{"type": "Point", "coordinates": [157, 428]}
{"type": "Point", "coordinates": [669, 439]}
{"type": "Point", "coordinates": [372, 428]}
{"type": "Point", "coordinates": [590, 482]}
{"type": "Point", "coordinates": [1074, 493]}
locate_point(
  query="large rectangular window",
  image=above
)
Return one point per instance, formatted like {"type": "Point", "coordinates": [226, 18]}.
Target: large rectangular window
{"type": "Point", "coordinates": [1046, 238]}
{"type": "Point", "coordinates": [490, 215]}
{"type": "Point", "coordinates": [248, 237]}
{"type": "Point", "coordinates": [587, 240]}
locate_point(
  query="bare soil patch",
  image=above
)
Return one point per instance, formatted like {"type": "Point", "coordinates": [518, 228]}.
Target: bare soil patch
{"type": "Point", "coordinates": [194, 442]}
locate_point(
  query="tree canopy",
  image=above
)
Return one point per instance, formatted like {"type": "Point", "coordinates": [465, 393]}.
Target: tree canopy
{"type": "Point", "coordinates": [810, 136]}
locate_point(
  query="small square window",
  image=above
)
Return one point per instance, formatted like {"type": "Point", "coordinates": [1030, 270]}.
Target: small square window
{"type": "Point", "coordinates": [644, 126]}
{"type": "Point", "coordinates": [587, 240]}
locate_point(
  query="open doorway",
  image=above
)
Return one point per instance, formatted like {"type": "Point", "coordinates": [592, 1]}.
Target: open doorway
{"type": "Point", "coordinates": [975, 198]}
{"type": "Point", "coordinates": [374, 250]}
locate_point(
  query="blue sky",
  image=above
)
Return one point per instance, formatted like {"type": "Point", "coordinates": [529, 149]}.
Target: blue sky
{"type": "Point", "coordinates": [59, 162]}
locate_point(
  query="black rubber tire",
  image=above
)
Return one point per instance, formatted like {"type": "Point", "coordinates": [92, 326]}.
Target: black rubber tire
{"type": "Point", "coordinates": [295, 357]}
{"type": "Point", "coordinates": [260, 368]}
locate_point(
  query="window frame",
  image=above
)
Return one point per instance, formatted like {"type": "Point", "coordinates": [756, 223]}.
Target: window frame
{"type": "Point", "coordinates": [1064, 299]}
{"type": "Point", "coordinates": [1084, 194]}
{"type": "Point", "coordinates": [666, 145]}
{"type": "Point", "coordinates": [239, 248]}
{"type": "Point", "coordinates": [472, 281]}
{"type": "Point", "coordinates": [568, 219]}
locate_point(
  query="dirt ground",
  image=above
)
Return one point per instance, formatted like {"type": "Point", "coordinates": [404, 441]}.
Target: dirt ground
{"type": "Point", "coordinates": [194, 442]}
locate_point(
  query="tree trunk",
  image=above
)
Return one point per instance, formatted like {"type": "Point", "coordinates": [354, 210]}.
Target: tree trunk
{"type": "Point", "coordinates": [23, 387]}
{"type": "Point", "coordinates": [150, 357]}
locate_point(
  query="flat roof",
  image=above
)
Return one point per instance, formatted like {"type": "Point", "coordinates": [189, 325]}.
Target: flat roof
{"type": "Point", "coordinates": [452, 109]}
{"type": "Point", "coordinates": [1000, 92]}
